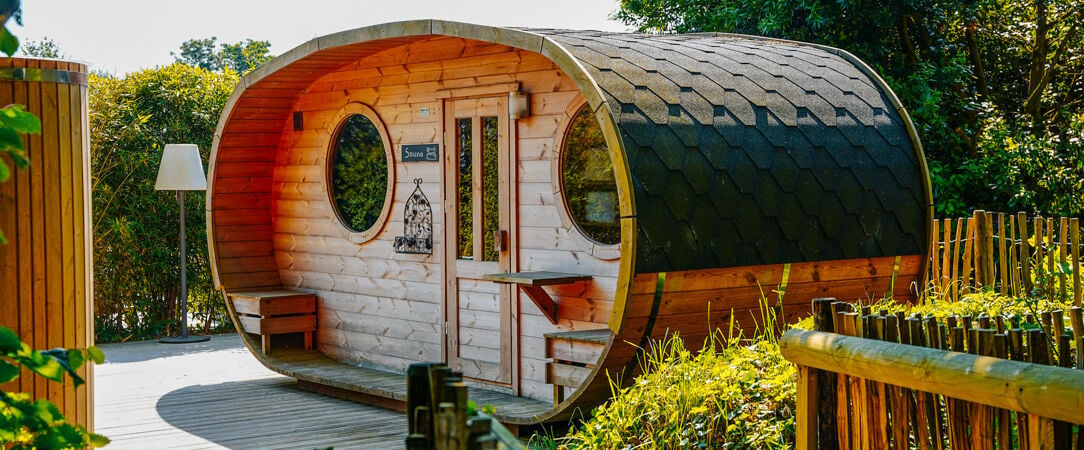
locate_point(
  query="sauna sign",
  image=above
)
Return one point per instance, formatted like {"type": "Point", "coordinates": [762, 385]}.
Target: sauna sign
{"type": "Point", "coordinates": [421, 152]}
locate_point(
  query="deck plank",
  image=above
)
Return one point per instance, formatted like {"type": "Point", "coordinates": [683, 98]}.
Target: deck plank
{"type": "Point", "coordinates": [216, 395]}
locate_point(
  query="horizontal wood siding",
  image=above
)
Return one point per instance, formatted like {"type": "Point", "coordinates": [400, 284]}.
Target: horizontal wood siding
{"type": "Point", "coordinates": [384, 308]}
{"type": "Point", "coordinates": [698, 302]}
{"type": "Point", "coordinates": [46, 268]}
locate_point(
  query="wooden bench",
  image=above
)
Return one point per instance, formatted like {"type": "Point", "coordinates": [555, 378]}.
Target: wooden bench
{"type": "Point", "coordinates": [532, 282]}
{"type": "Point", "coordinates": [276, 312]}
{"type": "Point", "coordinates": [573, 355]}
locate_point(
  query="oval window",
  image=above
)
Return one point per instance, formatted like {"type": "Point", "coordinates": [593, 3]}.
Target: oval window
{"type": "Point", "coordinates": [359, 173]}
{"type": "Point", "coordinates": [587, 180]}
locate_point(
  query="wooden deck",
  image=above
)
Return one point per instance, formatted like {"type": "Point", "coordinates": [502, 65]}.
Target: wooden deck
{"type": "Point", "coordinates": [318, 373]}
{"type": "Point", "coordinates": [216, 395]}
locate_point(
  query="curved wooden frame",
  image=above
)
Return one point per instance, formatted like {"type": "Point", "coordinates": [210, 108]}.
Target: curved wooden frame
{"type": "Point", "coordinates": [338, 120]}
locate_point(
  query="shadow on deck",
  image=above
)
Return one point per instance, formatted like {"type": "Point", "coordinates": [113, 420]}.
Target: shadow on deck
{"type": "Point", "coordinates": [272, 413]}
{"type": "Point", "coordinates": [215, 395]}
{"type": "Point", "coordinates": [318, 373]}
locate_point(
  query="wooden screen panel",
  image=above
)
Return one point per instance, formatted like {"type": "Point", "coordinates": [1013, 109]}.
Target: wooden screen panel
{"type": "Point", "coordinates": [45, 268]}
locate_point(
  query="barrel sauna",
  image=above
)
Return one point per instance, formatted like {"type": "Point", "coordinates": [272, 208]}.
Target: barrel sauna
{"type": "Point", "coordinates": [46, 268]}
{"type": "Point", "coordinates": [530, 206]}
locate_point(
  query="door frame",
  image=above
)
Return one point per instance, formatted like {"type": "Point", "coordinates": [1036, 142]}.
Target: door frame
{"type": "Point", "coordinates": [508, 191]}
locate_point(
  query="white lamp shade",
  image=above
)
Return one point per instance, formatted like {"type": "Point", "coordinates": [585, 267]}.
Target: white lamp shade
{"type": "Point", "coordinates": [181, 169]}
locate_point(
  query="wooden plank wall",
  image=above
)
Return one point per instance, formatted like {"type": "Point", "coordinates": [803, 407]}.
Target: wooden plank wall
{"type": "Point", "coordinates": [46, 267]}
{"type": "Point", "coordinates": [383, 308]}
{"type": "Point", "coordinates": [699, 301]}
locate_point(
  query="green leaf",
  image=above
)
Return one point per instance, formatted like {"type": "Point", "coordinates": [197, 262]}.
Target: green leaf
{"type": "Point", "coordinates": [19, 157]}
{"type": "Point", "coordinates": [9, 341]}
{"type": "Point", "coordinates": [45, 411]}
{"type": "Point", "coordinates": [8, 371]}
{"type": "Point", "coordinates": [5, 172]}
{"type": "Point", "coordinates": [14, 117]}
{"type": "Point", "coordinates": [75, 358]}
{"type": "Point", "coordinates": [48, 368]}
{"type": "Point", "coordinates": [9, 44]}
{"type": "Point", "coordinates": [96, 354]}
{"type": "Point", "coordinates": [97, 440]}
{"type": "Point", "coordinates": [9, 139]}
{"type": "Point", "coordinates": [62, 358]}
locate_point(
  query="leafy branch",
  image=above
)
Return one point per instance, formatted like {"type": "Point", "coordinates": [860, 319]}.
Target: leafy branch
{"type": "Point", "coordinates": [25, 423]}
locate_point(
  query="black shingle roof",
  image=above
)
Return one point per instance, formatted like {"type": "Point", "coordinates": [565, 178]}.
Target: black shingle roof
{"type": "Point", "coordinates": [747, 151]}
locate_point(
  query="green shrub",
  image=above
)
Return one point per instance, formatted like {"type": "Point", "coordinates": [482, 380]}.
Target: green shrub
{"type": "Point", "coordinates": [735, 396]}
{"type": "Point", "coordinates": [136, 276]}
{"type": "Point", "coordinates": [742, 396]}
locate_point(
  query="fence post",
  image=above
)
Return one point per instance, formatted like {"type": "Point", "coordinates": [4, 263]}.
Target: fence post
{"type": "Point", "coordinates": [823, 413]}
{"type": "Point", "coordinates": [1025, 252]}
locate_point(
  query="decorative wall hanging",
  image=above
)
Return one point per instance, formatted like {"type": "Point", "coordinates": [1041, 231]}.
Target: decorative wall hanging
{"type": "Point", "coordinates": [417, 224]}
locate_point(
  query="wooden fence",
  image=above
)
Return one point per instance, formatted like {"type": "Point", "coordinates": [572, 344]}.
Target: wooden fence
{"type": "Point", "coordinates": [438, 416]}
{"type": "Point", "coordinates": [1012, 254]}
{"type": "Point", "coordinates": [961, 383]}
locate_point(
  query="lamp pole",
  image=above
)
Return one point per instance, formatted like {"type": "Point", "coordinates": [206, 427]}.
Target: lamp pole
{"type": "Point", "coordinates": [182, 170]}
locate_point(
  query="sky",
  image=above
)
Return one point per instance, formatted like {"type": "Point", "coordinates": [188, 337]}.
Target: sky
{"type": "Point", "coordinates": [120, 36]}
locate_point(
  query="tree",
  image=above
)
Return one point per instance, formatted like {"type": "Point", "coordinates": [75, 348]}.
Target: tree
{"type": "Point", "coordinates": [135, 227]}
{"type": "Point", "coordinates": [240, 57]}
{"type": "Point", "coordinates": [243, 57]}
{"type": "Point", "coordinates": [979, 78]}
{"type": "Point", "coordinates": [45, 48]}
{"type": "Point", "coordinates": [198, 53]}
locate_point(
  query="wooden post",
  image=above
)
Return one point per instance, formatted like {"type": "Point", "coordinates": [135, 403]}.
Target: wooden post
{"type": "Point", "coordinates": [989, 276]}
{"type": "Point", "coordinates": [1074, 233]}
{"type": "Point", "coordinates": [1004, 429]}
{"type": "Point", "coordinates": [934, 281]}
{"type": "Point", "coordinates": [1025, 252]}
{"type": "Point", "coordinates": [1040, 429]}
{"type": "Point", "coordinates": [966, 278]}
{"type": "Point", "coordinates": [1014, 264]}
{"type": "Point", "coordinates": [1063, 431]}
{"type": "Point", "coordinates": [437, 414]}
{"type": "Point", "coordinates": [1050, 263]}
{"type": "Point", "coordinates": [925, 424]}
{"type": "Point", "coordinates": [978, 219]}
{"type": "Point", "coordinates": [875, 404]}
{"type": "Point", "coordinates": [947, 280]}
{"type": "Point", "coordinates": [806, 436]}
{"type": "Point", "coordinates": [1076, 318]}
{"type": "Point", "coordinates": [824, 383]}
{"type": "Point", "coordinates": [1063, 241]}
{"type": "Point", "coordinates": [1002, 241]}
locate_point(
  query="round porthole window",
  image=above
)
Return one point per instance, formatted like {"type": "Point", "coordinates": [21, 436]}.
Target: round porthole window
{"type": "Point", "coordinates": [359, 173]}
{"type": "Point", "coordinates": [587, 180]}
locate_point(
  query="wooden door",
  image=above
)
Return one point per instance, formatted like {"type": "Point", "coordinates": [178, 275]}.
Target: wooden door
{"type": "Point", "coordinates": [478, 210]}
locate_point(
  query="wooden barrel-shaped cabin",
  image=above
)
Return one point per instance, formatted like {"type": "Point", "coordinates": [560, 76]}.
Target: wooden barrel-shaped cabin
{"type": "Point", "coordinates": [530, 206]}
{"type": "Point", "coordinates": [46, 269]}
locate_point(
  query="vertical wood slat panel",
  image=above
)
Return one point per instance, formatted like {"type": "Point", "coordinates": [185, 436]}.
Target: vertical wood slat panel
{"type": "Point", "coordinates": [9, 213]}
{"type": "Point", "coordinates": [44, 212]}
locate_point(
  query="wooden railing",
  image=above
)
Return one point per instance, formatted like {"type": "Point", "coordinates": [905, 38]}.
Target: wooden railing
{"type": "Point", "coordinates": [438, 417]}
{"type": "Point", "coordinates": [1012, 254]}
{"type": "Point", "coordinates": [880, 381]}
